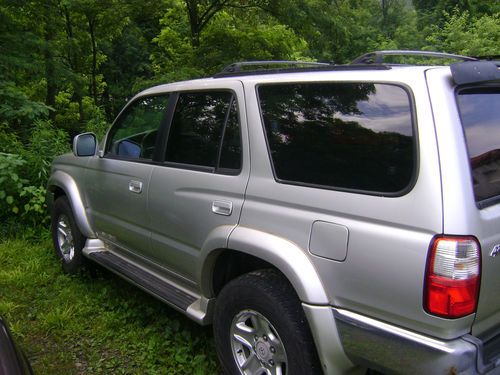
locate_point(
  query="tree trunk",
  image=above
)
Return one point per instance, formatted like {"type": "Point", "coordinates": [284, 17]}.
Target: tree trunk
{"type": "Point", "coordinates": [50, 97]}
{"type": "Point", "coordinates": [91, 24]}
{"type": "Point", "coordinates": [194, 22]}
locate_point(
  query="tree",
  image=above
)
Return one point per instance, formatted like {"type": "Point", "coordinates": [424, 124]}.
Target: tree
{"type": "Point", "coordinates": [201, 12]}
{"type": "Point", "coordinates": [463, 34]}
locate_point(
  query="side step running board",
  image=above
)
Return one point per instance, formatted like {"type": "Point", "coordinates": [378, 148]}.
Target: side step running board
{"type": "Point", "coordinates": [143, 279]}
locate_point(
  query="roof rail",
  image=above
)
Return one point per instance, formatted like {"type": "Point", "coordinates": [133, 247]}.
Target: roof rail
{"type": "Point", "coordinates": [246, 68]}
{"type": "Point", "coordinates": [269, 64]}
{"type": "Point", "coordinates": [377, 57]}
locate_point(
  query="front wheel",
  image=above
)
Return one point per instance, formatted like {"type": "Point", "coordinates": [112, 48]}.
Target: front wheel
{"type": "Point", "coordinates": [260, 328]}
{"type": "Point", "coordinates": [67, 238]}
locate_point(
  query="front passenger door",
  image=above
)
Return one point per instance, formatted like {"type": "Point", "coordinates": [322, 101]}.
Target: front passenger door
{"type": "Point", "coordinates": [118, 182]}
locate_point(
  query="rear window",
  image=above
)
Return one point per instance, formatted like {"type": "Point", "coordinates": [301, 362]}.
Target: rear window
{"type": "Point", "coordinates": [480, 112]}
{"type": "Point", "coordinates": [345, 136]}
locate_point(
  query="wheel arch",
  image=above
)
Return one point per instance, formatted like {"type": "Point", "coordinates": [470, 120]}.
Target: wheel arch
{"type": "Point", "coordinates": [61, 183]}
{"type": "Point", "coordinates": [246, 250]}
{"type": "Point", "coordinates": [253, 250]}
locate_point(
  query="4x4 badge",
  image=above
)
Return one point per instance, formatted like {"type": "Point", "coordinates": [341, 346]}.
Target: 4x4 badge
{"type": "Point", "coordinates": [495, 251]}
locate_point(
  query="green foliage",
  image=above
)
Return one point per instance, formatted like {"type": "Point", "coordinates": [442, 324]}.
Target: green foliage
{"type": "Point", "coordinates": [16, 108]}
{"type": "Point", "coordinates": [129, 332]}
{"type": "Point", "coordinates": [11, 184]}
{"type": "Point", "coordinates": [35, 202]}
{"type": "Point", "coordinates": [9, 141]}
{"type": "Point", "coordinates": [69, 115]}
{"type": "Point", "coordinates": [174, 59]}
{"type": "Point", "coordinates": [19, 201]}
{"type": "Point", "coordinates": [24, 172]}
{"type": "Point", "coordinates": [44, 144]}
{"type": "Point", "coordinates": [467, 35]}
{"type": "Point", "coordinates": [230, 38]}
{"type": "Point", "coordinates": [231, 35]}
{"type": "Point", "coordinates": [97, 125]}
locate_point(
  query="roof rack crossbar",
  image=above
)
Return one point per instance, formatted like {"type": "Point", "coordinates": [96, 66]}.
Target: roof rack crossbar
{"type": "Point", "coordinates": [377, 57]}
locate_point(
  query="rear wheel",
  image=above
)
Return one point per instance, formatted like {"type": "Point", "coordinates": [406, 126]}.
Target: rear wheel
{"type": "Point", "coordinates": [260, 327]}
{"type": "Point", "coordinates": [67, 238]}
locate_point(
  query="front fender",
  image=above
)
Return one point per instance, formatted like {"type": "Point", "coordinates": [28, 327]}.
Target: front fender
{"type": "Point", "coordinates": [64, 181]}
{"type": "Point", "coordinates": [287, 257]}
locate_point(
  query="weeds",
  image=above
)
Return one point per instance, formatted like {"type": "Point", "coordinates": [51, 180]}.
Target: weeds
{"type": "Point", "coordinates": [93, 324]}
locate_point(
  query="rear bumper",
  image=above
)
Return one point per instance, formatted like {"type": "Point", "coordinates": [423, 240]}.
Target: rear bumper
{"type": "Point", "coordinates": [371, 343]}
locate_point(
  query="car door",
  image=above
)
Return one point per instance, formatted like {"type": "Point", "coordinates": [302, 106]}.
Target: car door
{"type": "Point", "coordinates": [118, 181]}
{"type": "Point", "coordinates": [200, 186]}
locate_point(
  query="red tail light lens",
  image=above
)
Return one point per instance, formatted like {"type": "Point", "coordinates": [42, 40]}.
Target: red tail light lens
{"type": "Point", "coordinates": [452, 276]}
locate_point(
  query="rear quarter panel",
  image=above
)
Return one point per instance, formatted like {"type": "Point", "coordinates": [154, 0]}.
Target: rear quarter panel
{"type": "Point", "coordinates": [382, 275]}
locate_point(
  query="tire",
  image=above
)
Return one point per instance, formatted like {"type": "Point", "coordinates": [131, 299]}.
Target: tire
{"type": "Point", "coordinates": [67, 238]}
{"type": "Point", "coordinates": [260, 327]}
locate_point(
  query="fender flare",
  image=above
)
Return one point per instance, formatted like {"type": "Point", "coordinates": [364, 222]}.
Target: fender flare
{"type": "Point", "coordinates": [65, 182]}
{"type": "Point", "coordinates": [286, 256]}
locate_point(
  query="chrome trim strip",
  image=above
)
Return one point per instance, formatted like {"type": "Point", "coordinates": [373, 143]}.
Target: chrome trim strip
{"type": "Point", "coordinates": [346, 315]}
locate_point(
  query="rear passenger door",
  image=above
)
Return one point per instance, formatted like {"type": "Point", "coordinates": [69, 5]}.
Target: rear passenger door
{"type": "Point", "coordinates": [198, 190]}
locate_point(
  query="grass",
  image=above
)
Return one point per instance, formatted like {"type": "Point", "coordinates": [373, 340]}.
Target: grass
{"type": "Point", "coordinates": [93, 324]}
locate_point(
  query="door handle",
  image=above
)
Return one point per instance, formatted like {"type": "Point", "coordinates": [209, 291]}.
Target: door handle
{"type": "Point", "coordinates": [135, 186]}
{"type": "Point", "coordinates": [224, 208]}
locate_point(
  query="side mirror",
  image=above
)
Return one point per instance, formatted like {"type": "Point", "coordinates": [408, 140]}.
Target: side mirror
{"type": "Point", "coordinates": [85, 144]}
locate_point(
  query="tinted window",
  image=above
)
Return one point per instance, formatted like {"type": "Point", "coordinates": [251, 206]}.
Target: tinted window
{"type": "Point", "coordinates": [198, 128]}
{"type": "Point", "coordinates": [230, 157]}
{"type": "Point", "coordinates": [135, 131]}
{"type": "Point", "coordinates": [342, 135]}
{"type": "Point", "coordinates": [480, 112]}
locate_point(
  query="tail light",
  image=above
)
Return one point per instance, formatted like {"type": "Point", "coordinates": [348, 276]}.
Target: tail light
{"type": "Point", "coordinates": [452, 276]}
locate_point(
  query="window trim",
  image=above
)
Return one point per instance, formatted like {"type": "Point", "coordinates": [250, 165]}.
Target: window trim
{"type": "Point", "coordinates": [415, 140]}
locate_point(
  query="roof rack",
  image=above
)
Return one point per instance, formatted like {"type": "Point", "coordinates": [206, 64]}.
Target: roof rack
{"type": "Point", "coordinates": [378, 57]}
{"type": "Point", "coordinates": [270, 64]}
{"type": "Point", "coordinates": [246, 68]}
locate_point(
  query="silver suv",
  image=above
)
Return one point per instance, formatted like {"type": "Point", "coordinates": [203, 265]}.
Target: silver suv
{"type": "Point", "coordinates": [325, 219]}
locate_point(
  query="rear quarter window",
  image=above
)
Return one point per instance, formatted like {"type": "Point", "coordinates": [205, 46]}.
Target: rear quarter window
{"type": "Point", "coordinates": [480, 113]}
{"type": "Point", "coordinates": [345, 136]}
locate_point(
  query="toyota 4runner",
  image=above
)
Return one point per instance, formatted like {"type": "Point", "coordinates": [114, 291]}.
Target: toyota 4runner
{"type": "Point", "coordinates": [324, 218]}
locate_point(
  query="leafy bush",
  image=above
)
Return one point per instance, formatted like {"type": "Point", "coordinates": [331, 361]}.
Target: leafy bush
{"type": "Point", "coordinates": [23, 175]}
{"type": "Point", "coordinates": [45, 143]}
{"type": "Point", "coordinates": [9, 141]}
{"type": "Point", "coordinates": [20, 201]}
{"type": "Point", "coordinates": [16, 107]}
{"type": "Point", "coordinates": [11, 184]}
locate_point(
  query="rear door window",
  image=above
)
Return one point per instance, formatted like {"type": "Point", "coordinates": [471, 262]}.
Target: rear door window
{"type": "Point", "coordinates": [480, 112]}
{"type": "Point", "coordinates": [344, 135]}
{"type": "Point", "coordinates": [205, 132]}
